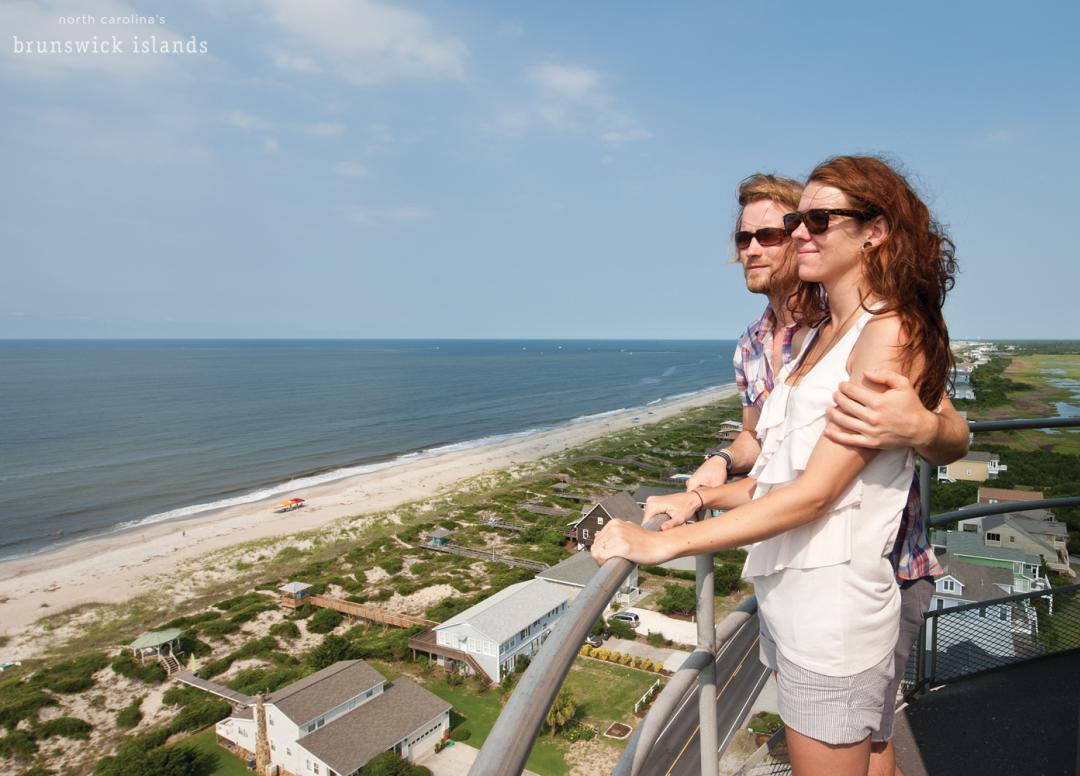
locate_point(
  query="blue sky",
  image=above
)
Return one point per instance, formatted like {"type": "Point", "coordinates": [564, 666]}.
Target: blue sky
{"type": "Point", "coordinates": [337, 168]}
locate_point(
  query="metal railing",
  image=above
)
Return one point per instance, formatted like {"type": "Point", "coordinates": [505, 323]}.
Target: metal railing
{"type": "Point", "coordinates": [511, 739]}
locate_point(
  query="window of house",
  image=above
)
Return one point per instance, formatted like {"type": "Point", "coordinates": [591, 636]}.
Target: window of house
{"type": "Point", "coordinates": [270, 720]}
{"type": "Point", "coordinates": [316, 767]}
{"type": "Point", "coordinates": [272, 746]}
{"type": "Point", "coordinates": [584, 533]}
{"type": "Point", "coordinates": [599, 520]}
{"type": "Point", "coordinates": [940, 604]}
{"type": "Point", "coordinates": [948, 586]}
{"type": "Point", "coordinates": [1003, 614]}
{"type": "Point", "coordinates": [993, 537]}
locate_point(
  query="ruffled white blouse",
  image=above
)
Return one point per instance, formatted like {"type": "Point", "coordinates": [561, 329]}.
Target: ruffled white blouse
{"type": "Point", "coordinates": [827, 595]}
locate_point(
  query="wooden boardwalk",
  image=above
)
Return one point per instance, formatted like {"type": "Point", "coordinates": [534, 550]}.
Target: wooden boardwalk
{"type": "Point", "coordinates": [540, 509]}
{"type": "Point", "coordinates": [220, 690]}
{"type": "Point", "coordinates": [496, 522]}
{"type": "Point", "coordinates": [362, 611]}
{"type": "Point", "coordinates": [468, 552]}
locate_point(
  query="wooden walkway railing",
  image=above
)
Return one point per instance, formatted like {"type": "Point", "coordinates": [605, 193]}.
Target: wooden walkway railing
{"type": "Point", "coordinates": [361, 611]}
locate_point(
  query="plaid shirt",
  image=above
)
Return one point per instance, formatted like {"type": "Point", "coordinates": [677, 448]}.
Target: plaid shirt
{"type": "Point", "coordinates": [753, 367]}
{"type": "Point", "coordinates": [912, 557]}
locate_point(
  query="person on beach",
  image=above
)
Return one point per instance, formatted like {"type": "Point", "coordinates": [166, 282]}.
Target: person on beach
{"type": "Point", "coordinates": [862, 417]}
{"type": "Point", "coordinates": [823, 515]}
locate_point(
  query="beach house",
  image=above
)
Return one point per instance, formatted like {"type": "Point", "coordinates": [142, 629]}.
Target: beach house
{"type": "Point", "coordinates": [491, 635]}
{"type": "Point", "coordinates": [976, 466]}
{"type": "Point", "coordinates": [575, 572]}
{"type": "Point", "coordinates": [621, 506]}
{"type": "Point", "coordinates": [332, 722]}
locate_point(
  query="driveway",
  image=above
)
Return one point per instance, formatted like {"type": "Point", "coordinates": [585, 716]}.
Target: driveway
{"type": "Point", "coordinates": [679, 631]}
{"type": "Point", "coordinates": [454, 760]}
{"type": "Point", "coordinates": [671, 658]}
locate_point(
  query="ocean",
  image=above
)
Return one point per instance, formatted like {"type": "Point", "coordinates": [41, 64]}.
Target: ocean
{"type": "Point", "coordinates": [100, 436]}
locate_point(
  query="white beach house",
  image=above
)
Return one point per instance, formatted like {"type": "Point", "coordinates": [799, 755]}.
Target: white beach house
{"type": "Point", "coordinates": [332, 722]}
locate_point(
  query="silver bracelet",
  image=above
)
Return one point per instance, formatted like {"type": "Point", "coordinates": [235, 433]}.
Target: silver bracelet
{"type": "Point", "coordinates": [722, 453]}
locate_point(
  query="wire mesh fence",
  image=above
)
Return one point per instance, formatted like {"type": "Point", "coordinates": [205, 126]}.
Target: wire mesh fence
{"type": "Point", "coordinates": [959, 641]}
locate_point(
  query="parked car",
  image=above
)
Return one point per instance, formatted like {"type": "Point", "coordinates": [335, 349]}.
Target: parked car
{"type": "Point", "coordinates": [593, 640]}
{"type": "Point", "coordinates": [629, 618]}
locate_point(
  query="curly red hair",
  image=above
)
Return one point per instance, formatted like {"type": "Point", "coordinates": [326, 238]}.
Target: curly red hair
{"type": "Point", "coordinates": [910, 270]}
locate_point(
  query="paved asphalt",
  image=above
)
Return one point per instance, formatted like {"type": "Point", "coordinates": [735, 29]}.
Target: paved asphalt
{"type": "Point", "coordinates": [739, 678]}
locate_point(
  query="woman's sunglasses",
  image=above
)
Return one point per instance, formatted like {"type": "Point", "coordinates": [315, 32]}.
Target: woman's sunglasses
{"type": "Point", "coordinates": [766, 237]}
{"type": "Point", "coordinates": [817, 219]}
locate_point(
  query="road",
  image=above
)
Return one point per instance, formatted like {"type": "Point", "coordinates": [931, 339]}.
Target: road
{"type": "Point", "coordinates": [739, 678]}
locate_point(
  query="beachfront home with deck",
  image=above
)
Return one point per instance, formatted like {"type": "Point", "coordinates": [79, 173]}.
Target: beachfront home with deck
{"type": "Point", "coordinates": [575, 572]}
{"type": "Point", "coordinates": [621, 506]}
{"type": "Point", "coordinates": [332, 722]}
{"type": "Point", "coordinates": [1035, 532]}
{"type": "Point", "coordinates": [969, 547]}
{"type": "Point", "coordinates": [495, 632]}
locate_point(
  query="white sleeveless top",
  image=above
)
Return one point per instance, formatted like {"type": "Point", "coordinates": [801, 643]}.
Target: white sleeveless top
{"type": "Point", "coordinates": [826, 591]}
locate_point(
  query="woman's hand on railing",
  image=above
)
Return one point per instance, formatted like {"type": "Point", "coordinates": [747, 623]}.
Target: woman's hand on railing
{"type": "Point", "coordinates": [679, 507]}
{"type": "Point", "coordinates": [623, 539]}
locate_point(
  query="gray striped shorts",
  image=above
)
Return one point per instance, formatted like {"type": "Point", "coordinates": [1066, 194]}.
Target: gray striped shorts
{"type": "Point", "coordinates": [832, 709]}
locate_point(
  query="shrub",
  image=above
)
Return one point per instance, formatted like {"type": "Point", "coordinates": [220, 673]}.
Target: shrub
{"type": "Point", "coordinates": [68, 727]}
{"type": "Point", "coordinates": [657, 640]}
{"type": "Point", "coordinates": [627, 659]}
{"type": "Point", "coordinates": [73, 675]}
{"type": "Point", "coordinates": [19, 701]}
{"type": "Point", "coordinates": [658, 667]}
{"type": "Point", "coordinates": [585, 650]}
{"type": "Point", "coordinates": [198, 714]}
{"type": "Point", "coordinates": [180, 695]}
{"type": "Point", "coordinates": [303, 611]}
{"type": "Point", "coordinates": [192, 619]}
{"type": "Point", "coordinates": [646, 665]}
{"type": "Point", "coordinates": [130, 715]}
{"type": "Point", "coordinates": [637, 662]}
{"type": "Point", "coordinates": [460, 733]}
{"type": "Point", "coordinates": [324, 621]}
{"type": "Point", "coordinates": [521, 663]}
{"type": "Point", "coordinates": [621, 630]}
{"type": "Point", "coordinates": [601, 653]}
{"type": "Point", "coordinates": [677, 598]}
{"type": "Point", "coordinates": [727, 579]}
{"type": "Point", "coordinates": [391, 565]}
{"type": "Point", "coordinates": [614, 656]}
{"type": "Point", "coordinates": [390, 764]}
{"type": "Point", "coordinates": [255, 680]}
{"type": "Point", "coordinates": [331, 650]}
{"type": "Point", "coordinates": [127, 665]}
{"type": "Point", "coordinates": [217, 627]}
{"type": "Point", "coordinates": [285, 629]}
{"type": "Point", "coordinates": [18, 744]}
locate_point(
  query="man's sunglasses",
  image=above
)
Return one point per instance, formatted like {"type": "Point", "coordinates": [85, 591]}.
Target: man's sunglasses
{"type": "Point", "coordinates": [766, 238]}
{"type": "Point", "coordinates": [817, 219]}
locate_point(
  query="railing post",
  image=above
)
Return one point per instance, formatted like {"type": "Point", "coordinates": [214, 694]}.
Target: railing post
{"type": "Point", "coordinates": [924, 486]}
{"type": "Point", "coordinates": [706, 642]}
{"type": "Point", "coordinates": [933, 649]}
{"type": "Point", "coordinates": [920, 659]}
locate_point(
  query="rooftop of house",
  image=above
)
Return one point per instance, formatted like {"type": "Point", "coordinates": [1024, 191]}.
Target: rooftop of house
{"type": "Point", "coordinates": [621, 506]}
{"type": "Point", "coordinates": [1005, 494]}
{"type": "Point", "coordinates": [294, 587]}
{"type": "Point", "coordinates": [438, 533]}
{"type": "Point", "coordinates": [354, 738]}
{"type": "Point", "coordinates": [981, 583]}
{"type": "Point", "coordinates": [645, 491]}
{"type": "Point", "coordinates": [304, 700]}
{"type": "Point", "coordinates": [1038, 531]}
{"type": "Point", "coordinates": [979, 455]}
{"type": "Point", "coordinates": [968, 543]}
{"type": "Point", "coordinates": [512, 609]}
{"type": "Point", "coordinates": [576, 570]}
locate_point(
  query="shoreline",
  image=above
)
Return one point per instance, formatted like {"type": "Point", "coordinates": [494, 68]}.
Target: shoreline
{"type": "Point", "coordinates": [116, 567]}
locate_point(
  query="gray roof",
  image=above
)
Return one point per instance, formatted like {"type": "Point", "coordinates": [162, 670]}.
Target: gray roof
{"type": "Point", "coordinates": [354, 738]}
{"type": "Point", "coordinates": [576, 570]}
{"type": "Point", "coordinates": [645, 491]}
{"type": "Point", "coordinates": [294, 587]}
{"type": "Point", "coordinates": [247, 712]}
{"type": "Point", "coordinates": [438, 533]}
{"type": "Point", "coordinates": [978, 455]}
{"type": "Point", "coordinates": [969, 543]}
{"type": "Point", "coordinates": [980, 582]}
{"type": "Point", "coordinates": [621, 506]}
{"type": "Point", "coordinates": [313, 695]}
{"type": "Point", "coordinates": [155, 639]}
{"type": "Point", "coordinates": [511, 609]}
{"type": "Point", "coordinates": [992, 522]}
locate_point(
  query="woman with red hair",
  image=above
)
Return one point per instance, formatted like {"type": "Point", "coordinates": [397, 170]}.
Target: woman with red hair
{"type": "Point", "coordinates": [874, 268]}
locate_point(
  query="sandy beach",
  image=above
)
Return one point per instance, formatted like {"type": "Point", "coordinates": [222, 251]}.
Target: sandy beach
{"type": "Point", "coordinates": [116, 568]}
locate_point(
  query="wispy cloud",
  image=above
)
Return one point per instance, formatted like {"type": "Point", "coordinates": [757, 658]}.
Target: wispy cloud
{"type": "Point", "coordinates": [351, 169]}
{"type": "Point", "coordinates": [238, 119]}
{"type": "Point", "coordinates": [371, 217]}
{"type": "Point", "coordinates": [363, 42]}
{"type": "Point", "coordinates": [996, 137]}
{"type": "Point", "coordinates": [324, 129]}
{"type": "Point", "coordinates": [270, 145]}
{"type": "Point", "coordinates": [571, 98]}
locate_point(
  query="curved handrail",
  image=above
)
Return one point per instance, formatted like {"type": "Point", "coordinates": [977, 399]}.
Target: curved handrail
{"type": "Point", "coordinates": [507, 746]}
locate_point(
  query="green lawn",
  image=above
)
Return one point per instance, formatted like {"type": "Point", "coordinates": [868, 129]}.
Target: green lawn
{"type": "Point", "coordinates": [480, 712]}
{"type": "Point", "coordinates": [606, 692]}
{"type": "Point", "coordinates": [228, 763]}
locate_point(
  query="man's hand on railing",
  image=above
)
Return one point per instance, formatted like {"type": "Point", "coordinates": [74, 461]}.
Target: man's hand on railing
{"type": "Point", "coordinates": [623, 539]}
